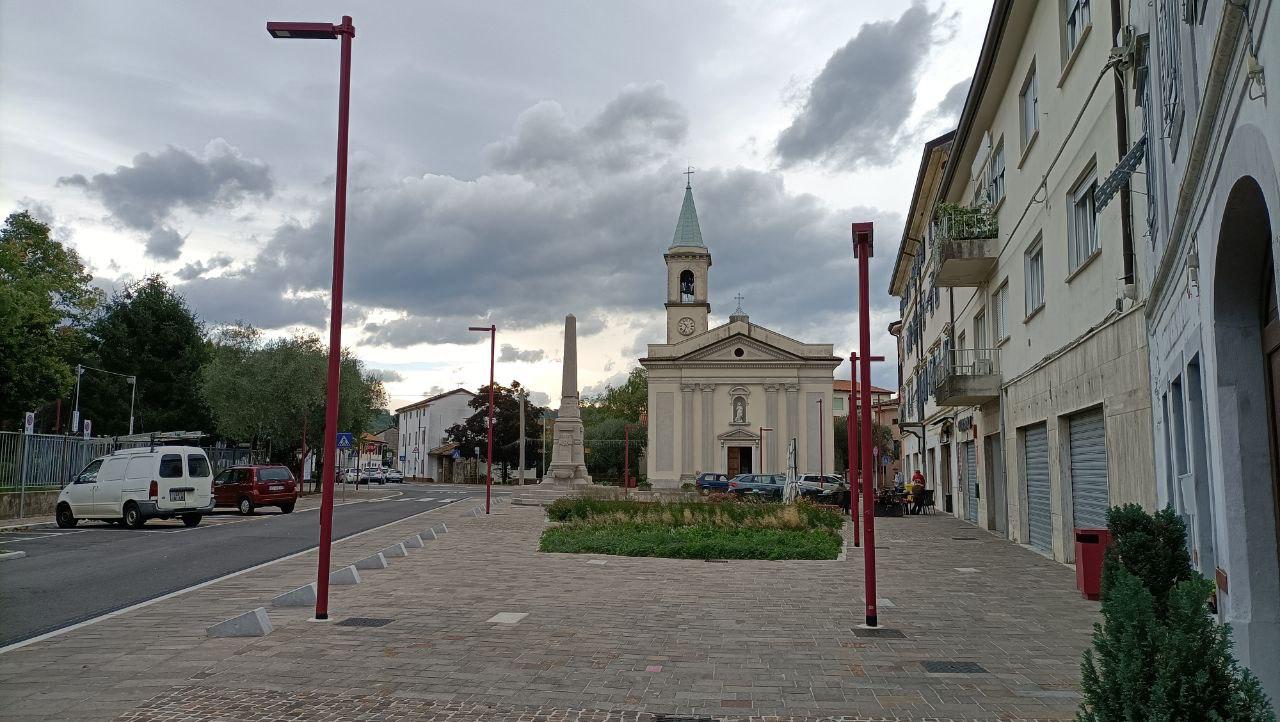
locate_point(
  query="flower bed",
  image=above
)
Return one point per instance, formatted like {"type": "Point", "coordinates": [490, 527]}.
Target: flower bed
{"type": "Point", "coordinates": [726, 529]}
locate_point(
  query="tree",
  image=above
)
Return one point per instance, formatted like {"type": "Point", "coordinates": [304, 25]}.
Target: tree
{"type": "Point", "coordinates": [45, 302]}
{"type": "Point", "coordinates": [270, 392]}
{"type": "Point", "coordinates": [881, 439]}
{"type": "Point", "coordinates": [147, 331]}
{"type": "Point", "coordinates": [603, 417]}
{"type": "Point", "coordinates": [627, 401]}
{"type": "Point", "coordinates": [473, 432]}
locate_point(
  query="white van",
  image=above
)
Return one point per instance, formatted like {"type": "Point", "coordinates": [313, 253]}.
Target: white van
{"type": "Point", "coordinates": [133, 485]}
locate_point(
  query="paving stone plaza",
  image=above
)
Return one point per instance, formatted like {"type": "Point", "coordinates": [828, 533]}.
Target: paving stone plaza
{"type": "Point", "coordinates": [479, 625]}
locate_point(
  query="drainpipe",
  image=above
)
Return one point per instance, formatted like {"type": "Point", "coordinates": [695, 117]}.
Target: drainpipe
{"type": "Point", "coordinates": [1122, 147]}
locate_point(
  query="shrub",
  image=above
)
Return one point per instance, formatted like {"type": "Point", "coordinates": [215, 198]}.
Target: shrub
{"type": "Point", "coordinates": [1158, 654]}
{"type": "Point", "coordinates": [690, 542]}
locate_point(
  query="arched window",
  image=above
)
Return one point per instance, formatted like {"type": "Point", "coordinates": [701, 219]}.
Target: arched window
{"type": "Point", "coordinates": [686, 286]}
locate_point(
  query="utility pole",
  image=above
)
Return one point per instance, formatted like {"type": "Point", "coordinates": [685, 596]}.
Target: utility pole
{"type": "Point", "coordinates": [523, 393]}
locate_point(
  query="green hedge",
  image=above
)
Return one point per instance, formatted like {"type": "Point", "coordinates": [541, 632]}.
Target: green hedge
{"type": "Point", "coordinates": [690, 542]}
{"type": "Point", "coordinates": [798, 516]}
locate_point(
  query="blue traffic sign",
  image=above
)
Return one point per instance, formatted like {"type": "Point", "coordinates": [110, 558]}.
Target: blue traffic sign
{"type": "Point", "coordinates": [457, 454]}
{"type": "Point", "coordinates": [346, 440]}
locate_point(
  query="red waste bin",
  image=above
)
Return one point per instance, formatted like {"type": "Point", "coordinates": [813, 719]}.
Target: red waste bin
{"type": "Point", "coordinates": [1091, 551]}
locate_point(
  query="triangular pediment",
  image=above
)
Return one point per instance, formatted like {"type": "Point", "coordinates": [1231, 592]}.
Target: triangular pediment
{"type": "Point", "coordinates": [738, 434]}
{"type": "Point", "coordinates": [740, 348]}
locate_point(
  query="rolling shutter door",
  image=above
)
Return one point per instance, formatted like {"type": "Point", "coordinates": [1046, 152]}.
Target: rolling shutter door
{"type": "Point", "coordinates": [1089, 488]}
{"type": "Point", "coordinates": [1039, 519]}
{"type": "Point", "coordinates": [971, 480]}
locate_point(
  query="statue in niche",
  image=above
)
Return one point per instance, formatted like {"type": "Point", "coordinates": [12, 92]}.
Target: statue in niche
{"type": "Point", "coordinates": [739, 410]}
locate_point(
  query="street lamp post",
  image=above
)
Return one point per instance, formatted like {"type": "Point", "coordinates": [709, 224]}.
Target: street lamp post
{"type": "Point", "coordinates": [488, 484]}
{"type": "Point", "coordinates": [133, 394]}
{"type": "Point", "coordinates": [763, 469]}
{"type": "Point", "coordinates": [75, 412]}
{"type": "Point", "coordinates": [822, 444]}
{"type": "Point", "coordinates": [523, 393]}
{"type": "Point", "coordinates": [345, 32]}
{"type": "Point", "coordinates": [862, 249]}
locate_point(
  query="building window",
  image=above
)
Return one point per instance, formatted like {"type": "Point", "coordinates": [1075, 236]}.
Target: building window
{"type": "Point", "coordinates": [1170, 75]}
{"type": "Point", "coordinates": [980, 329]}
{"type": "Point", "coordinates": [1082, 221]}
{"type": "Point", "coordinates": [838, 403]}
{"type": "Point", "coordinates": [999, 313]}
{"type": "Point", "coordinates": [995, 174]}
{"type": "Point", "coordinates": [981, 192]}
{"type": "Point", "coordinates": [1034, 268]}
{"type": "Point", "coordinates": [1028, 106]}
{"type": "Point", "coordinates": [1078, 17]}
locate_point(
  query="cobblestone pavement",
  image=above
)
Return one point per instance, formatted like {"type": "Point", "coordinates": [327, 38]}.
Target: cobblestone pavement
{"type": "Point", "coordinates": [634, 639]}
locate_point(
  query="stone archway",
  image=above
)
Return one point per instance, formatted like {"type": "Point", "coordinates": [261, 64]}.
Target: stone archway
{"type": "Point", "coordinates": [1247, 362]}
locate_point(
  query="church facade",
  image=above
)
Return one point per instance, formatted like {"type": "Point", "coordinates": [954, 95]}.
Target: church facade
{"type": "Point", "coordinates": [729, 399]}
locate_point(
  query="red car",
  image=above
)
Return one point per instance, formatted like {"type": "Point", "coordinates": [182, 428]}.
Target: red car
{"type": "Point", "coordinates": [249, 487]}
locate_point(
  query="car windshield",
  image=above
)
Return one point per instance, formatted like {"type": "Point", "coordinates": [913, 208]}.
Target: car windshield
{"type": "Point", "coordinates": [742, 477]}
{"type": "Point", "coordinates": [198, 466]}
{"type": "Point", "coordinates": [275, 473]}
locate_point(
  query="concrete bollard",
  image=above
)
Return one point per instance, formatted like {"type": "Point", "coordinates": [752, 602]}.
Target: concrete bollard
{"type": "Point", "coordinates": [345, 576]}
{"type": "Point", "coordinates": [439, 528]}
{"type": "Point", "coordinates": [427, 535]}
{"type": "Point", "coordinates": [250, 624]}
{"type": "Point", "coordinates": [300, 597]}
{"type": "Point", "coordinates": [377, 561]}
{"type": "Point", "coordinates": [395, 550]}
{"type": "Point", "coordinates": [413, 542]}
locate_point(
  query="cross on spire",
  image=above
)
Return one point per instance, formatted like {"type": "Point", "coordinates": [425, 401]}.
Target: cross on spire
{"type": "Point", "coordinates": [739, 297]}
{"type": "Point", "coordinates": [688, 178]}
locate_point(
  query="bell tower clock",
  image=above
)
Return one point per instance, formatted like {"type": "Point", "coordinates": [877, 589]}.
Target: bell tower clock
{"type": "Point", "coordinates": [688, 263]}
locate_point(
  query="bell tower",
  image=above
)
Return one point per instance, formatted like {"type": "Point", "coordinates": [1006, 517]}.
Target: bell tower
{"type": "Point", "coordinates": [688, 263]}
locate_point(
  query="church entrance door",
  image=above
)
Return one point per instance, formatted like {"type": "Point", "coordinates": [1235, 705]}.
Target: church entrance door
{"type": "Point", "coordinates": [739, 460]}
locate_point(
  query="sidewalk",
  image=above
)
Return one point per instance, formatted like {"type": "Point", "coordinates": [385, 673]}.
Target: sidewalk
{"type": "Point", "coordinates": [624, 639]}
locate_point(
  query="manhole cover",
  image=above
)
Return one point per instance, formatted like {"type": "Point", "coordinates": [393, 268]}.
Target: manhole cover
{"type": "Point", "coordinates": [878, 633]}
{"type": "Point", "coordinates": [364, 622]}
{"type": "Point", "coordinates": [947, 667]}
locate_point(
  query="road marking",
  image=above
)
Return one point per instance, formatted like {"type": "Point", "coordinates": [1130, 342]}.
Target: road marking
{"type": "Point", "coordinates": [507, 617]}
{"type": "Point", "coordinates": [103, 617]}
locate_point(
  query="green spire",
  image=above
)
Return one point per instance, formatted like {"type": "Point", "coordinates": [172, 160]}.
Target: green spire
{"type": "Point", "coordinates": [687, 231]}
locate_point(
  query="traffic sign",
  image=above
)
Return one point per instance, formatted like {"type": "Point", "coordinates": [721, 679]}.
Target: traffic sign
{"type": "Point", "coordinates": [402, 457]}
{"type": "Point", "coordinates": [457, 454]}
{"type": "Point", "coordinates": [29, 422]}
{"type": "Point", "coordinates": [88, 428]}
{"type": "Point", "coordinates": [886, 460]}
{"type": "Point", "coordinates": [346, 440]}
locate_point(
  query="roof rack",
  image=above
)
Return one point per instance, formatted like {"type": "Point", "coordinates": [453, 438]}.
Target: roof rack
{"type": "Point", "coordinates": [159, 438]}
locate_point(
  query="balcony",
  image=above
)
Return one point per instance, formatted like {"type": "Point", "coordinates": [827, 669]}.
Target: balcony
{"type": "Point", "coordinates": [968, 377]}
{"type": "Point", "coordinates": [965, 245]}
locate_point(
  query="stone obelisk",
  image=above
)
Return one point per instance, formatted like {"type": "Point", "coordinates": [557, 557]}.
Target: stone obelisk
{"type": "Point", "coordinates": [568, 461]}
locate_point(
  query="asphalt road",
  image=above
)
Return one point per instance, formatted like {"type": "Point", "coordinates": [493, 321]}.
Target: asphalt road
{"type": "Point", "coordinates": [72, 575]}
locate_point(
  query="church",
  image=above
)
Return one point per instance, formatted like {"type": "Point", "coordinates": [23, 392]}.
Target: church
{"type": "Point", "coordinates": [715, 392]}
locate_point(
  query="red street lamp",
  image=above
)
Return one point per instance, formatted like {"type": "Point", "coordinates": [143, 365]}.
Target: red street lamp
{"type": "Point", "coordinates": [626, 455]}
{"type": "Point", "coordinates": [863, 248]}
{"type": "Point", "coordinates": [763, 469]}
{"type": "Point", "coordinates": [344, 32]}
{"type": "Point", "coordinates": [488, 483]}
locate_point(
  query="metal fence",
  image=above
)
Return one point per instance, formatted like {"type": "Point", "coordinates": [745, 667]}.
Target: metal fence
{"type": "Point", "coordinates": [49, 461]}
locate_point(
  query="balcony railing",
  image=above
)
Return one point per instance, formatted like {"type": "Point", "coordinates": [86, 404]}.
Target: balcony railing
{"type": "Point", "coordinates": [964, 244]}
{"type": "Point", "coordinates": [968, 377]}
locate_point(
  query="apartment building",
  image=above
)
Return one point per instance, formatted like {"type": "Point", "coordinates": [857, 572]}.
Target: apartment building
{"type": "Point", "coordinates": [1209, 248]}
{"type": "Point", "coordinates": [422, 425]}
{"type": "Point", "coordinates": [1025, 393]}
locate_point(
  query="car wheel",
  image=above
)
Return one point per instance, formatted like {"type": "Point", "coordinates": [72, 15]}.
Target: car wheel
{"type": "Point", "coordinates": [191, 519]}
{"type": "Point", "coordinates": [286, 508]}
{"type": "Point", "coordinates": [133, 516]}
{"type": "Point", "coordinates": [64, 517]}
{"type": "Point", "coordinates": [246, 506]}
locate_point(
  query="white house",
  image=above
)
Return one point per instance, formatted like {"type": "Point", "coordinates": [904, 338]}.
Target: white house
{"type": "Point", "coordinates": [422, 426]}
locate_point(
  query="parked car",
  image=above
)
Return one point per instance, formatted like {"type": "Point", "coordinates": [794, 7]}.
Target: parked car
{"type": "Point", "coordinates": [134, 485]}
{"type": "Point", "coordinates": [712, 482]}
{"type": "Point", "coordinates": [249, 487]}
{"type": "Point", "coordinates": [824, 488]}
{"type": "Point", "coordinates": [768, 486]}
{"type": "Point", "coordinates": [352, 475]}
{"type": "Point", "coordinates": [394, 475]}
{"type": "Point", "coordinates": [373, 474]}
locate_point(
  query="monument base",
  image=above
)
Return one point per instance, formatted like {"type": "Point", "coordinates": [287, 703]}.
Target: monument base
{"type": "Point", "coordinates": [547, 491]}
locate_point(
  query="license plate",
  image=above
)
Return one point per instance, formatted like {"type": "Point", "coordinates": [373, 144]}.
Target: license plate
{"type": "Point", "coordinates": [175, 495]}
{"type": "Point", "coordinates": [276, 488]}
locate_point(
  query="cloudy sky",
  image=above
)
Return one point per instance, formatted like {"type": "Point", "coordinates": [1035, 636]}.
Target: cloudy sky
{"type": "Point", "coordinates": [511, 162]}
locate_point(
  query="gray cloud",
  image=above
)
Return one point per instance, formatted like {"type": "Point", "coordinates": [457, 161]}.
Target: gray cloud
{"type": "Point", "coordinates": [507, 352]}
{"type": "Point", "coordinates": [857, 107]}
{"type": "Point", "coordinates": [633, 129]}
{"type": "Point", "coordinates": [164, 243]}
{"type": "Point", "coordinates": [386, 375]}
{"type": "Point", "coordinates": [143, 196]}
{"type": "Point", "coordinates": [953, 102]}
{"type": "Point", "coordinates": [199, 268]}
{"type": "Point", "coordinates": [538, 398]}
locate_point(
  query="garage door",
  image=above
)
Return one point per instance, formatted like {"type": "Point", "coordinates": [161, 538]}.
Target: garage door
{"type": "Point", "coordinates": [971, 481]}
{"type": "Point", "coordinates": [1035, 451]}
{"type": "Point", "coordinates": [1089, 488]}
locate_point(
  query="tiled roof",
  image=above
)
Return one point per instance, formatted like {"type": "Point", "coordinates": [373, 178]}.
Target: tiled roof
{"type": "Point", "coordinates": [420, 404]}
{"type": "Point", "coordinates": [842, 385]}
